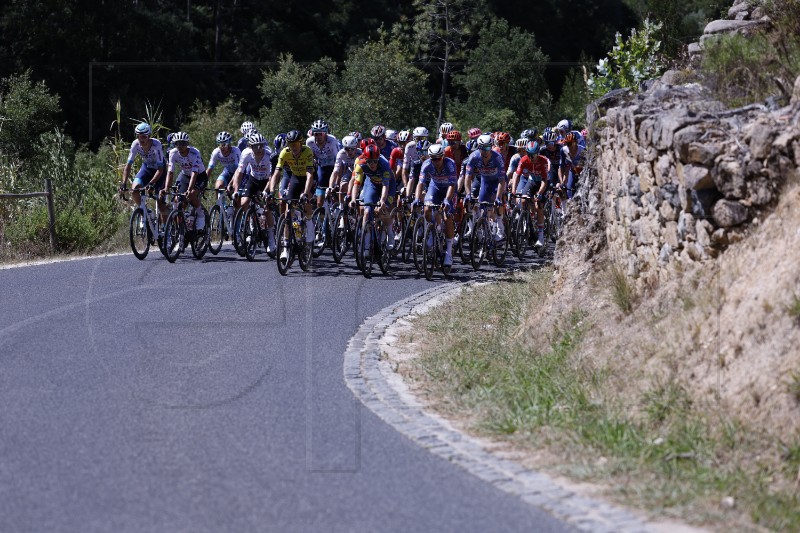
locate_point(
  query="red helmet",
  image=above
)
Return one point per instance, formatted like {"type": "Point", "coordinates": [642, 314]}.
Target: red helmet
{"type": "Point", "coordinates": [454, 135]}
{"type": "Point", "coordinates": [371, 152]}
{"type": "Point", "coordinates": [502, 137]}
{"type": "Point", "coordinates": [474, 133]}
{"type": "Point", "coordinates": [366, 142]}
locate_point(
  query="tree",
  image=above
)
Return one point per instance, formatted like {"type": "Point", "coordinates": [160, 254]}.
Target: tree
{"type": "Point", "coordinates": [442, 28]}
{"type": "Point", "coordinates": [379, 83]}
{"type": "Point", "coordinates": [27, 110]}
{"type": "Point", "coordinates": [503, 80]}
{"type": "Point", "coordinates": [297, 94]}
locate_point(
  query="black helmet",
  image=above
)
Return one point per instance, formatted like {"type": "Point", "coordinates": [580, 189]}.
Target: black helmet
{"type": "Point", "coordinates": [293, 136]}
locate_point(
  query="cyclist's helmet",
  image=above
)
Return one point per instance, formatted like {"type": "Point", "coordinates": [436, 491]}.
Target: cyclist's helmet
{"type": "Point", "coordinates": [371, 152]}
{"type": "Point", "coordinates": [502, 137]}
{"type": "Point", "coordinates": [569, 138]}
{"type": "Point", "coordinates": [526, 134]}
{"type": "Point", "coordinates": [180, 136]}
{"type": "Point", "coordinates": [454, 135]}
{"type": "Point", "coordinates": [319, 126]}
{"type": "Point", "coordinates": [532, 147]}
{"type": "Point", "coordinates": [357, 135]}
{"type": "Point", "coordinates": [293, 136]}
{"type": "Point", "coordinates": [445, 128]}
{"type": "Point", "coordinates": [485, 141]}
{"type": "Point", "coordinates": [255, 138]}
{"type": "Point", "coordinates": [143, 129]}
{"type": "Point", "coordinates": [584, 133]}
{"type": "Point", "coordinates": [349, 142]}
{"type": "Point", "coordinates": [224, 137]}
{"type": "Point", "coordinates": [520, 143]}
{"type": "Point", "coordinates": [549, 136]}
{"type": "Point", "coordinates": [280, 142]}
{"type": "Point", "coordinates": [419, 131]}
{"type": "Point", "coordinates": [564, 125]}
{"type": "Point", "coordinates": [366, 142]}
{"type": "Point", "coordinates": [170, 138]}
{"type": "Point", "coordinates": [422, 146]}
{"type": "Point", "coordinates": [474, 133]}
{"type": "Point", "coordinates": [246, 128]}
{"type": "Point", "coordinates": [534, 133]}
{"type": "Point", "coordinates": [378, 131]}
{"type": "Point", "coordinates": [403, 136]}
{"type": "Point", "coordinates": [436, 151]}
{"type": "Point", "coordinates": [391, 135]}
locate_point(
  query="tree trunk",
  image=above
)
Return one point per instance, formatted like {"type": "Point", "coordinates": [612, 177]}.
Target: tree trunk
{"type": "Point", "coordinates": [217, 24]}
{"type": "Point", "coordinates": [446, 67]}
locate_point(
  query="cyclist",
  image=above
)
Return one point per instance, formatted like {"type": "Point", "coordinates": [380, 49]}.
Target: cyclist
{"type": "Point", "coordinates": [564, 127]}
{"type": "Point", "coordinates": [297, 163]}
{"type": "Point", "coordinates": [439, 175]}
{"type": "Point", "coordinates": [455, 150]}
{"type": "Point", "coordinates": [552, 151]}
{"type": "Point", "coordinates": [396, 158]}
{"type": "Point", "coordinates": [385, 146]}
{"type": "Point", "coordinates": [152, 170]}
{"type": "Point", "coordinates": [343, 167]}
{"type": "Point", "coordinates": [373, 173]}
{"type": "Point", "coordinates": [488, 164]}
{"type": "Point", "coordinates": [519, 144]}
{"type": "Point", "coordinates": [279, 143]}
{"type": "Point", "coordinates": [228, 156]}
{"type": "Point", "coordinates": [419, 134]}
{"type": "Point", "coordinates": [473, 135]}
{"type": "Point", "coordinates": [501, 142]}
{"type": "Point", "coordinates": [245, 129]}
{"type": "Point", "coordinates": [531, 180]}
{"type": "Point", "coordinates": [192, 179]}
{"type": "Point", "coordinates": [325, 147]}
{"type": "Point", "coordinates": [571, 163]}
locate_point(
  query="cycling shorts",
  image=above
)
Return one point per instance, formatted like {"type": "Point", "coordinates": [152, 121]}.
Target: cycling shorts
{"type": "Point", "coordinates": [294, 188]}
{"type": "Point", "coordinates": [145, 175]}
{"type": "Point", "coordinates": [528, 186]}
{"type": "Point", "coordinates": [226, 177]}
{"type": "Point", "coordinates": [488, 189]}
{"type": "Point", "coordinates": [436, 194]}
{"type": "Point", "coordinates": [200, 182]}
{"type": "Point", "coordinates": [251, 186]}
{"type": "Point", "coordinates": [323, 179]}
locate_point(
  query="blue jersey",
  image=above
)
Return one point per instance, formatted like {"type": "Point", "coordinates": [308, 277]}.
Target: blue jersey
{"type": "Point", "coordinates": [443, 178]}
{"type": "Point", "coordinates": [493, 169]}
{"type": "Point", "coordinates": [388, 146]}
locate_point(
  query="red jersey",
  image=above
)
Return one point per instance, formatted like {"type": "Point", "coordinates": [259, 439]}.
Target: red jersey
{"type": "Point", "coordinates": [536, 168]}
{"type": "Point", "coordinates": [506, 157]}
{"type": "Point", "coordinates": [395, 158]}
{"type": "Point", "coordinates": [458, 155]}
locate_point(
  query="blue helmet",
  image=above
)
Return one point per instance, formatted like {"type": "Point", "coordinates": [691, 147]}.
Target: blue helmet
{"type": "Point", "coordinates": [280, 142]}
{"type": "Point", "coordinates": [143, 129]}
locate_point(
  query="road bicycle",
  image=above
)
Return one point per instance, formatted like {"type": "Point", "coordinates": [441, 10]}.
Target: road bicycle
{"type": "Point", "coordinates": [220, 221]}
{"type": "Point", "coordinates": [290, 236]}
{"type": "Point", "coordinates": [343, 233]}
{"type": "Point", "coordinates": [254, 226]}
{"type": "Point", "coordinates": [145, 224]}
{"type": "Point", "coordinates": [180, 228]}
{"type": "Point", "coordinates": [324, 221]}
{"type": "Point", "coordinates": [485, 240]}
{"type": "Point", "coordinates": [434, 244]}
{"type": "Point", "coordinates": [373, 240]}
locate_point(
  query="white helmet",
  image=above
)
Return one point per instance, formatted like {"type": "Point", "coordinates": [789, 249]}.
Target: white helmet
{"type": "Point", "coordinates": [256, 138]}
{"type": "Point", "coordinates": [445, 128]}
{"type": "Point", "coordinates": [485, 140]}
{"type": "Point", "coordinates": [391, 135]}
{"type": "Point", "coordinates": [521, 142]}
{"type": "Point", "coordinates": [565, 125]}
{"type": "Point", "coordinates": [403, 136]}
{"type": "Point", "coordinates": [180, 136]}
{"type": "Point", "coordinates": [436, 151]}
{"type": "Point", "coordinates": [246, 128]}
{"type": "Point", "coordinates": [419, 131]}
{"type": "Point", "coordinates": [349, 142]}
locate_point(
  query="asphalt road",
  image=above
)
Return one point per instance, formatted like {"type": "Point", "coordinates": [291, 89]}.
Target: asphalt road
{"type": "Point", "coordinates": [209, 396]}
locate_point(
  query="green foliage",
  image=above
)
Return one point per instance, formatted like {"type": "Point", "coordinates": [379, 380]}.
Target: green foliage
{"type": "Point", "coordinates": [630, 62]}
{"type": "Point", "coordinates": [503, 79]}
{"type": "Point", "coordinates": [682, 21]}
{"type": "Point", "coordinates": [27, 109]}
{"type": "Point", "coordinates": [623, 292]}
{"type": "Point", "coordinates": [296, 94]}
{"type": "Point", "coordinates": [573, 100]}
{"type": "Point", "coordinates": [379, 83]}
{"type": "Point", "coordinates": [206, 121]}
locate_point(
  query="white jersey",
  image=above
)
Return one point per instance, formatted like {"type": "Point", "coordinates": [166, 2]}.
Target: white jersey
{"type": "Point", "coordinates": [153, 158]}
{"type": "Point", "coordinates": [260, 170]}
{"type": "Point", "coordinates": [410, 155]}
{"type": "Point", "coordinates": [344, 163]}
{"type": "Point", "coordinates": [229, 162]}
{"type": "Point", "coordinates": [325, 155]}
{"type": "Point", "coordinates": [192, 162]}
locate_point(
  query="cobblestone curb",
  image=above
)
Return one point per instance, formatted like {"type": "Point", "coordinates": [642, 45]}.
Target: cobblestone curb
{"type": "Point", "coordinates": [374, 381]}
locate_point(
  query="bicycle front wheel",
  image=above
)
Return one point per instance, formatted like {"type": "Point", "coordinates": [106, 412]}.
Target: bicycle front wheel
{"type": "Point", "coordinates": [366, 245]}
{"type": "Point", "coordinates": [140, 243]}
{"type": "Point", "coordinates": [480, 243]}
{"type": "Point", "coordinates": [251, 230]}
{"type": "Point", "coordinates": [339, 239]}
{"type": "Point", "coordinates": [417, 243]}
{"type": "Point", "coordinates": [174, 234]}
{"type": "Point", "coordinates": [320, 231]}
{"type": "Point", "coordinates": [238, 231]}
{"type": "Point", "coordinates": [285, 251]}
{"type": "Point", "coordinates": [216, 228]}
{"type": "Point", "coordinates": [430, 250]}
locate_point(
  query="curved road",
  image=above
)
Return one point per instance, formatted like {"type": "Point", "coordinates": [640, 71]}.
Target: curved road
{"type": "Point", "coordinates": [209, 396]}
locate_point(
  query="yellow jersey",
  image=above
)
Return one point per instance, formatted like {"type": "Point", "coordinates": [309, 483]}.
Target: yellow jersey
{"type": "Point", "coordinates": [297, 166]}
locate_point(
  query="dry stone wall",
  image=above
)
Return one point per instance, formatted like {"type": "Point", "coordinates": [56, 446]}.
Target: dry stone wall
{"type": "Point", "coordinates": [681, 177]}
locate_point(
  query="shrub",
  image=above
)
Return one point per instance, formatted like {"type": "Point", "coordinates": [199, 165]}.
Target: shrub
{"type": "Point", "coordinates": [629, 63]}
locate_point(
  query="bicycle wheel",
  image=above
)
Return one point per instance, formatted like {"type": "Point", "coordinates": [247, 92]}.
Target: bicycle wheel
{"type": "Point", "coordinates": [442, 241]}
{"type": "Point", "coordinates": [417, 242]}
{"type": "Point", "coordinates": [237, 236]}
{"type": "Point", "coordinates": [199, 242]}
{"type": "Point", "coordinates": [383, 248]}
{"type": "Point", "coordinates": [500, 250]}
{"type": "Point", "coordinates": [216, 230]}
{"type": "Point", "coordinates": [339, 241]}
{"type": "Point", "coordinates": [305, 251]}
{"type": "Point", "coordinates": [366, 244]}
{"type": "Point", "coordinates": [398, 224]}
{"type": "Point", "coordinates": [139, 231]}
{"type": "Point", "coordinates": [408, 239]}
{"type": "Point", "coordinates": [284, 243]}
{"type": "Point", "coordinates": [512, 228]}
{"type": "Point", "coordinates": [480, 243]}
{"type": "Point", "coordinates": [522, 232]}
{"type": "Point", "coordinates": [251, 231]}
{"type": "Point", "coordinates": [320, 231]}
{"type": "Point", "coordinates": [465, 239]}
{"type": "Point", "coordinates": [430, 250]}
{"type": "Point", "coordinates": [174, 233]}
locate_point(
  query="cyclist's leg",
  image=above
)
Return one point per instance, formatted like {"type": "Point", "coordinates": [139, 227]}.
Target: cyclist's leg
{"type": "Point", "coordinates": [143, 177]}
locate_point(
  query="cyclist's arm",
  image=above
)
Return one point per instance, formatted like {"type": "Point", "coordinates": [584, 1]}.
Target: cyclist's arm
{"type": "Point", "coordinates": [126, 174]}
{"type": "Point", "coordinates": [192, 179]}
{"type": "Point", "coordinates": [309, 181]}
{"type": "Point", "coordinates": [168, 181]}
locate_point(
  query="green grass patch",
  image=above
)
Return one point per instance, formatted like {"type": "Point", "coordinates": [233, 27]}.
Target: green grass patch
{"type": "Point", "coordinates": [529, 387]}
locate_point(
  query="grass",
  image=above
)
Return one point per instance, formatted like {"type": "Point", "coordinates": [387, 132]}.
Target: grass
{"type": "Point", "coordinates": [623, 292]}
{"type": "Point", "coordinates": [529, 387]}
